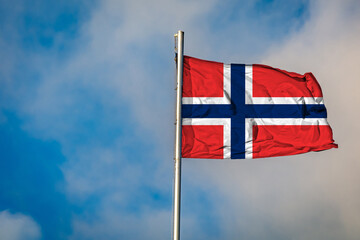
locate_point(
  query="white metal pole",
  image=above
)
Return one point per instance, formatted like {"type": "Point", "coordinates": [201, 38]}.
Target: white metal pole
{"type": "Point", "coordinates": [177, 158]}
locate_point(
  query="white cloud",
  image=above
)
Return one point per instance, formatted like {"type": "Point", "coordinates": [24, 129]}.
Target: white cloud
{"type": "Point", "coordinates": [18, 227]}
{"type": "Point", "coordinates": [305, 197]}
{"type": "Point", "coordinates": [311, 196]}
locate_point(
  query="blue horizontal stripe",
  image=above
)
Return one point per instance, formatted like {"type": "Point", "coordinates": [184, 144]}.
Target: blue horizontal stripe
{"type": "Point", "coordinates": [254, 111]}
{"type": "Point", "coordinates": [207, 111]}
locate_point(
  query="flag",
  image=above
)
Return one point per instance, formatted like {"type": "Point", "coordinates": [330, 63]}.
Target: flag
{"type": "Point", "coordinates": [237, 111]}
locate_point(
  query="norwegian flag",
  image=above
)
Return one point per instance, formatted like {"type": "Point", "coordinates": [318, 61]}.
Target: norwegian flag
{"type": "Point", "coordinates": [242, 111]}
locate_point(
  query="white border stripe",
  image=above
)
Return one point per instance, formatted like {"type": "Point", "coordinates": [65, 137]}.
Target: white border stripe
{"type": "Point", "coordinates": [285, 100]}
{"type": "Point", "coordinates": [248, 84]}
{"type": "Point", "coordinates": [227, 83]}
{"type": "Point", "coordinates": [205, 100]}
{"type": "Point", "coordinates": [225, 122]}
{"type": "Point", "coordinates": [226, 99]}
{"type": "Point", "coordinates": [249, 122]}
{"type": "Point", "coordinates": [290, 121]}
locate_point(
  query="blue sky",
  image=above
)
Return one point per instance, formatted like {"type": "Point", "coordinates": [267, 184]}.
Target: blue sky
{"type": "Point", "coordinates": [87, 111]}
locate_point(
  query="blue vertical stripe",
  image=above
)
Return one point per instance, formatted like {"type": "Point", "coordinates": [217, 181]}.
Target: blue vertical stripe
{"type": "Point", "coordinates": [238, 103]}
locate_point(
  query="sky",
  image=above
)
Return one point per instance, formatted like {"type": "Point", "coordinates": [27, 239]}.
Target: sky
{"type": "Point", "coordinates": [87, 120]}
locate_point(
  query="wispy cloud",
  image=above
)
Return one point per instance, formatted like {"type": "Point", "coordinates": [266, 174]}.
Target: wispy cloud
{"type": "Point", "coordinates": [18, 227]}
{"type": "Point", "coordinates": [102, 88]}
{"type": "Point", "coordinates": [311, 196]}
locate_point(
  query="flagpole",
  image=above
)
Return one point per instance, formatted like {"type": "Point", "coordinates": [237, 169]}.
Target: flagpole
{"type": "Point", "coordinates": [177, 168]}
